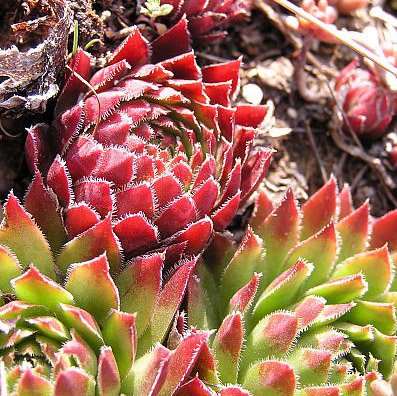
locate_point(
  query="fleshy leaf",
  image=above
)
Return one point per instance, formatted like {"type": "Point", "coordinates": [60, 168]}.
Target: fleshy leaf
{"type": "Point", "coordinates": [35, 288]}
{"type": "Point", "coordinates": [341, 290]}
{"type": "Point", "coordinates": [181, 362]}
{"type": "Point", "coordinates": [90, 244]}
{"type": "Point", "coordinates": [245, 262]}
{"type": "Point", "coordinates": [74, 382]}
{"type": "Point", "coordinates": [227, 347]}
{"type": "Point", "coordinates": [24, 238]}
{"type": "Point", "coordinates": [280, 234]}
{"type": "Point", "coordinates": [137, 296]}
{"type": "Point", "coordinates": [270, 378]}
{"type": "Point", "coordinates": [9, 268]}
{"type": "Point", "coordinates": [108, 377]}
{"type": "Point", "coordinates": [32, 384]}
{"type": "Point", "coordinates": [320, 250]}
{"type": "Point", "coordinates": [168, 302]}
{"type": "Point", "coordinates": [119, 333]}
{"type": "Point", "coordinates": [376, 267]}
{"type": "Point", "coordinates": [274, 335]}
{"type": "Point", "coordinates": [353, 230]}
{"type": "Point", "coordinates": [319, 210]}
{"type": "Point", "coordinates": [42, 206]}
{"type": "Point", "coordinates": [283, 290]}
{"type": "Point", "coordinates": [94, 273]}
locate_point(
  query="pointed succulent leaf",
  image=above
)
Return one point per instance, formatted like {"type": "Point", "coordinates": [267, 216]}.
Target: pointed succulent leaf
{"type": "Point", "coordinates": [263, 208]}
{"type": "Point", "coordinates": [355, 332]}
{"type": "Point", "coordinates": [320, 209]}
{"type": "Point", "coordinates": [245, 262]}
{"type": "Point", "coordinates": [332, 313]}
{"type": "Point", "coordinates": [312, 365]}
{"type": "Point", "coordinates": [119, 333]}
{"type": "Point", "coordinates": [353, 230]}
{"type": "Point", "coordinates": [168, 302]}
{"type": "Point", "coordinates": [74, 382]}
{"type": "Point", "coordinates": [29, 245]}
{"type": "Point", "coordinates": [320, 250]}
{"type": "Point", "coordinates": [42, 206]}
{"type": "Point", "coordinates": [270, 377]}
{"type": "Point", "coordinates": [35, 288]}
{"type": "Point", "coordinates": [108, 377]}
{"type": "Point", "coordinates": [50, 327]}
{"type": "Point", "coordinates": [194, 387]}
{"type": "Point", "coordinates": [243, 298]}
{"type": "Point", "coordinates": [136, 233]}
{"type": "Point", "coordinates": [81, 352]}
{"type": "Point", "coordinates": [139, 287]}
{"type": "Point", "coordinates": [181, 362]}
{"type": "Point", "coordinates": [283, 290]}
{"type": "Point", "coordinates": [234, 390]}
{"type": "Point", "coordinates": [274, 336]}
{"type": "Point", "coordinates": [280, 234]}
{"type": "Point", "coordinates": [94, 273]}
{"type": "Point", "coordinates": [380, 315]}
{"type": "Point", "coordinates": [341, 290]}
{"type": "Point", "coordinates": [32, 384]}
{"type": "Point", "coordinates": [59, 180]}
{"type": "Point", "coordinates": [376, 267]}
{"type": "Point", "coordinates": [200, 311]}
{"type": "Point", "coordinates": [148, 373]}
{"type": "Point", "coordinates": [227, 347]}
{"type": "Point", "coordinates": [93, 242]}
{"type": "Point", "coordinates": [328, 339]}
{"type": "Point", "coordinates": [345, 202]}
{"type": "Point", "coordinates": [309, 309]}
{"type": "Point", "coordinates": [83, 323]}
{"type": "Point", "coordinates": [79, 218]}
{"type": "Point", "coordinates": [383, 231]}
{"type": "Point", "coordinates": [9, 269]}
{"type": "Point", "coordinates": [382, 347]}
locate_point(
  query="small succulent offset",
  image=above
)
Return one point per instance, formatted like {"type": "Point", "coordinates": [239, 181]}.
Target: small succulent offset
{"type": "Point", "coordinates": [208, 19]}
{"type": "Point", "coordinates": [154, 9]}
{"type": "Point", "coordinates": [368, 103]}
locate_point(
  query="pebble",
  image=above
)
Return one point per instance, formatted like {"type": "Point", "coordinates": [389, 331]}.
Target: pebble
{"type": "Point", "coordinates": [252, 93]}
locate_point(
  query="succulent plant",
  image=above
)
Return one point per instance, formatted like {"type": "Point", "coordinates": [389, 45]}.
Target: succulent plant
{"type": "Point", "coordinates": [305, 305]}
{"type": "Point", "coordinates": [155, 150]}
{"type": "Point", "coordinates": [369, 105]}
{"type": "Point", "coordinates": [74, 340]}
{"type": "Point", "coordinates": [208, 19]}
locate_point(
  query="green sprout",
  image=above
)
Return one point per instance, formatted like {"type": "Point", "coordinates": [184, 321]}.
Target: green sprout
{"type": "Point", "coordinates": [154, 9]}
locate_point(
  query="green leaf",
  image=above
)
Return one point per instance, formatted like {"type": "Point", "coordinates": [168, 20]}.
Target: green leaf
{"type": "Point", "coordinates": [283, 291]}
{"type": "Point", "coordinates": [35, 288]}
{"type": "Point", "coordinates": [119, 332]}
{"type": "Point", "coordinates": [20, 234]}
{"type": "Point", "coordinates": [9, 269]}
{"type": "Point", "coordinates": [139, 287]}
{"type": "Point", "coordinates": [89, 283]}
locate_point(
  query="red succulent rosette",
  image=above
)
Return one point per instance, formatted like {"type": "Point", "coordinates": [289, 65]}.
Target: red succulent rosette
{"type": "Point", "coordinates": [154, 147]}
{"type": "Point", "coordinates": [368, 104]}
{"type": "Point", "coordinates": [208, 19]}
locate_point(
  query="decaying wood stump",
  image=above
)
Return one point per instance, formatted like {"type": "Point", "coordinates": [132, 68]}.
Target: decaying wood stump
{"type": "Point", "coordinates": [33, 45]}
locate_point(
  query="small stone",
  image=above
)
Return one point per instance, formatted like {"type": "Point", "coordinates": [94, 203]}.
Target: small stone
{"type": "Point", "coordinates": [252, 93]}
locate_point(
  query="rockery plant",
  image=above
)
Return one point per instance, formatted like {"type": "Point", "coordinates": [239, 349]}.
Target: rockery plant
{"type": "Point", "coordinates": [118, 273]}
